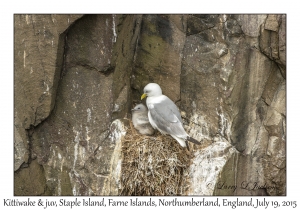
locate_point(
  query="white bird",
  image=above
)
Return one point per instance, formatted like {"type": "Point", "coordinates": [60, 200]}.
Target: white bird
{"type": "Point", "coordinates": [164, 115]}
{"type": "Point", "coordinates": [140, 120]}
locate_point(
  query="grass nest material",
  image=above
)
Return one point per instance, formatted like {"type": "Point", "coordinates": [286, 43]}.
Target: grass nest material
{"type": "Point", "coordinates": [153, 165]}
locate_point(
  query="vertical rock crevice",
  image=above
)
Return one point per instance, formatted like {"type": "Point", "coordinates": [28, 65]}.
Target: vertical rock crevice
{"type": "Point", "coordinates": [38, 53]}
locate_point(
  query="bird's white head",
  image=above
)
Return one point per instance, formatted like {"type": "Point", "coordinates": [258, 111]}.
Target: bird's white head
{"type": "Point", "coordinates": [152, 89]}
{"type": "Point", "coordinates": [139, 108]}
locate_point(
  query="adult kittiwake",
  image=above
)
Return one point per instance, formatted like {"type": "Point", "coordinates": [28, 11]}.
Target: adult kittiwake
{"type": "Point", "coordinates": [140, 120]}
{"type": "Point", "coordinates": [164, 115]}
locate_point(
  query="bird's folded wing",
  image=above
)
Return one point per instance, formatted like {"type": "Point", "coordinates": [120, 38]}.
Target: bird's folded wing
{"type": "Point", "coordinates": [167, 117]}
{"type": "Point", "coordinates": [168, 110]}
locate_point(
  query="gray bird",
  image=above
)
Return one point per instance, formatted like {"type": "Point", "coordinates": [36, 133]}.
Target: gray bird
{"type": "Point", "coordinates": [140, 120]}
{"type": "Point", "coordinates": [164, 116]}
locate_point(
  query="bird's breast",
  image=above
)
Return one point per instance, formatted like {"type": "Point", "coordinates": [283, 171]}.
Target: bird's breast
{"type": "Point", "coordinates": [155, 99]}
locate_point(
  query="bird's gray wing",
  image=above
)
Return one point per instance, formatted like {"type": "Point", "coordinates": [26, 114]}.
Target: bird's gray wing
{"type": "Point", "coordinates": [168, 110]}
{"type": "Point", "coordinates": [167, 117]}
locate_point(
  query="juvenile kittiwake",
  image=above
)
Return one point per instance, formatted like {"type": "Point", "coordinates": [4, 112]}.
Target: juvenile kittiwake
{"type": "Point", "coordinates": [164, 115]}
{"type": "Point", "coordinates": [140, 120]}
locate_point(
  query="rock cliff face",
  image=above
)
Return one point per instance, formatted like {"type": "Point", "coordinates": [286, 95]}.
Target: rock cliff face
{"type": "Point", "coordinates": [77, 76]}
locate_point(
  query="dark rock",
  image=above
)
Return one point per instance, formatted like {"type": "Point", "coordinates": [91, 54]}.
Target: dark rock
{"type": "Point", "coordinates": [272, 41]}
{"type": "Point", "coordinates": [158, 55]}
{"type": "Point", "coordinates": [199, 23]}
{"type": "Point", "coordinates": [30, 181]}
{"type": "Point", "coordinates": [38, 59]}
{"type": "Point", "coordinates": [90, 43]}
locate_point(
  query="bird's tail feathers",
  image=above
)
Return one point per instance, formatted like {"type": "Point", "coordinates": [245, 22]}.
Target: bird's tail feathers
{"type": "Point", "coordinates": [192, 140]}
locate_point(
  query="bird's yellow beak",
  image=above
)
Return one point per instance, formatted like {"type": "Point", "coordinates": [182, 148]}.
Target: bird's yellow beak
{"type": "Point", "coordinates": [143, 96]}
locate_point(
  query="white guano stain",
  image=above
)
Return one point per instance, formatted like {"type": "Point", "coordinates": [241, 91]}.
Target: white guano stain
{"type": "Point", "coordinates": [75, 154]}
{"type": "Point", "coordinates": [118, 168]}
{"type": "Point", "coordinates": [198, 127]}
{"type": "Point", "coordinates": [117, 133]}
{"type": "Point", "coordinates": [74, 190]}
{"type": "Point", "coordinates": [53, 19]}
{"type": "Point", "coordinates": [44, 32]}
{"type": "Point", "coordinates": [89, 115]}
{"type": "Point", "coordinates": [87, 133]}
{"type": "Point", "coordinates": [59, 188]}
{"type": "Point", "coordinates": [62, 164]}
{"type": "Point", "coordinates": [114, 29]}
{"type": "Point", "coordinates": [194, 105]}
{"type": "Point", "coordinates": [76, 140]}
{"type": "Point", "coordinates": [206, 167]}
{"type": "Point", "coordinates": [47, 87]}
{"type": "Point", "coordinates": [24, 59]}
{"type": "Point", "coordinates": [116, 107]}
{"type": "Point", "coordinates": [27, 19]}
{"type": "Point", "coordinates": [225, 124]}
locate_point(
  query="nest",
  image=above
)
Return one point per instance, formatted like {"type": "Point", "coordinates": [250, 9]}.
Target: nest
{"type": "Point", "coordinates": [153, 165]}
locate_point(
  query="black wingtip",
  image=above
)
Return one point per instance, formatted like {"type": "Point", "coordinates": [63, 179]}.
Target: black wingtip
{"type": "Point", "coordinates": [187, 146]}
{"type": "Point", "coordinates": [193, 140]}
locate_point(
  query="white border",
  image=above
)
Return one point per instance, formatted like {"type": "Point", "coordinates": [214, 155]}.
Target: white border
{"type": "Point", "coordinates": [154, 6]}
